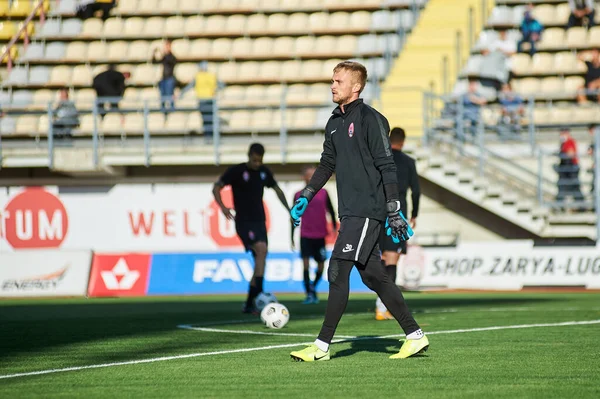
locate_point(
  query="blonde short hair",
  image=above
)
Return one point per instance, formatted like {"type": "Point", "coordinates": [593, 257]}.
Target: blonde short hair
{"type": "Point", "coordinates": [358, 70]}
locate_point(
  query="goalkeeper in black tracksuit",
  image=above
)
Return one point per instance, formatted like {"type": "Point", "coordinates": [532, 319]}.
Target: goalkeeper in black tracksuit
{"type": "Point", "coordinates": [357, 149]}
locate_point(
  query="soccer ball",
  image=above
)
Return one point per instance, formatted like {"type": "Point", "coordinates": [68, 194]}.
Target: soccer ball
{"type": "Point", "coordinates": [263, 299]}
{"type": "Point", "coordinates": [275, 315]}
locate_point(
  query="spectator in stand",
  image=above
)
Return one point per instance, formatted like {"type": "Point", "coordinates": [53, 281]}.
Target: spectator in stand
{"type": "Point", "coordinates": [512, 108]}
{"type": "Point", "coordinates": [568, 170]}
{"type": "Point", "coordinates": [472, 102]}
{"type": "Point", "coordinates": [88, 8]}
{"type": "Point", "coordinates": [167, 84]}
{"type": "Point", "coordinates": [592, 130]}
{"type": "Point", "coordinates": [582, 13]}
{"type": "Point", "coordinates": [495, 66]}
{"type": "Point", "coordinates": [110, 83]}
{"type": "Point", "coordinates": [66, 117]}
{"type": "Point", "coordinates": [205, 85]}
{"type": "Point", "coordinates": [531, 30]}
{"type": "Point", "coordinates": [591, 89]}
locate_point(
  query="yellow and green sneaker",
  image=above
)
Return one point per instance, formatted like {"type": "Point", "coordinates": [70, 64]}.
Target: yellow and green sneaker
{"type": "Point", "coordinates": [310, 354]}
{"type": "Point", "coordinates": [411, 347]}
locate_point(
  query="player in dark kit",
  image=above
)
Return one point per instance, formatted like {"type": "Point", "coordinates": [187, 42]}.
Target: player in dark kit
{"type": "Point", "coordinates": [407, 178]}
{"type": "Point", "coordinates": [312, 235]}
{"type": "Point", "coordinates": [357, 149]}
{"type": "Point", "coordinates": [247, 181]}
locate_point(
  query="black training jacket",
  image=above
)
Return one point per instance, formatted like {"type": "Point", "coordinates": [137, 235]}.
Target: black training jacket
{"type": "Point", "coordinates": [357, 148]}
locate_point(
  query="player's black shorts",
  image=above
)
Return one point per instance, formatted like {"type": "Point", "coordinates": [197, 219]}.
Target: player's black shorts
{"type": "Point", "coordinates": [251, 232]}
{"type": "Point", "coordinates": [313, 248]}
{"type": "Point", "coordinates": [357, 239]}
{"type": "Point", "coordinates": [387, 244]}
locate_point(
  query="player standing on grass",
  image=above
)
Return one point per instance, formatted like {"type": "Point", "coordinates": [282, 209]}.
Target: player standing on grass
{"type": "Point", "coordinates": [247, 181]}
{"type": "Point", "coordinates": [312, 235]}
{"type": "Point", "coordinates": [407, 178]}
{"type": "Point", "coordinates": [357, 149]}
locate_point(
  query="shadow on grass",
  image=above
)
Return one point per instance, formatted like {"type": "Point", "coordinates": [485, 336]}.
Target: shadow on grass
{"type": "Point", "coordinates": [32, 327]}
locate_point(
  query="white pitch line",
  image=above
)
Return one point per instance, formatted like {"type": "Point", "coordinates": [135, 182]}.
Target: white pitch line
{"type": "Point", "coordinates": [222, 330]}
{"type": "Point", "coordinates": [260, 348]}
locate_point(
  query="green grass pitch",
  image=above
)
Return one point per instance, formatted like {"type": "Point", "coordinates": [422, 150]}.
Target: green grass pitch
{"type": "Point", "coordinates": [524, 361]}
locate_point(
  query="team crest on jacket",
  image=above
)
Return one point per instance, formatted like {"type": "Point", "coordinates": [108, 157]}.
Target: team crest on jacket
{"type": "Point", "coordinates": [351, 129]}
{"type": "Point", "coordinates": [246, 175]}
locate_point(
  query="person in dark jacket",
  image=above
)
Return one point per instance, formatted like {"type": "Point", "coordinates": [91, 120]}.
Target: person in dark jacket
{"type": "Point", "coordinates": [66, 116]}
{"type": "Point", "coordinates": [357, 149]}
{"type": "Point", "coordinates": [110, 83]}
{"type": "Point", "coordinates": [407, 179]}
{"type": "Point", "coordinates": [167, 84]}
{"type": "Point", "coordinates": [531, 30]}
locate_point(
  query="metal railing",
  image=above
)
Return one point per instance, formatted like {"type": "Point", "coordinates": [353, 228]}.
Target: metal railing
{"type": "Point", "coordinates": [7, 52]}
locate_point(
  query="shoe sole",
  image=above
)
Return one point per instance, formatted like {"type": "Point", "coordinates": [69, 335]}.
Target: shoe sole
{"type": "Point", "coordinates": [299, 359]}
{"type": "Point", "coordinates": [420, 352]}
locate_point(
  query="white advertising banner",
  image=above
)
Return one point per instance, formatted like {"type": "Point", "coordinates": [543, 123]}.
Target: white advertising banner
{"type": "Point", "coordinates": [162, 217]}
{"type": "Point", "coordinates": [502, 265]}
{"type": "Point", "coordinates": [30, 273]}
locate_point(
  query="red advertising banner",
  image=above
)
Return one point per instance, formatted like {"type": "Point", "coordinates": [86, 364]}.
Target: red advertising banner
{"type": "Point", "coordinates": [119, 275]}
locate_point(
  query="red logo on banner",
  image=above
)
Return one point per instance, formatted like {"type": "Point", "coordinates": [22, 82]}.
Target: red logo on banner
{"type": "Point", "coordinates": [119, 275]}
{"type": "Point", "coordinates": [35, 218]}
{"type": "Point", "coordinates": [222, 230]}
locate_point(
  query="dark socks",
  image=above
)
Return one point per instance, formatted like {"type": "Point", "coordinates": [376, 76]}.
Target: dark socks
{"type": "Point", "coordinates": [306, 282]}
{"type": "Point", "coordinates": [392, 271]}
{"type": "Point", "coordinates": [254, 290]}
{"type": "Point", "coordinates": [317, 279]}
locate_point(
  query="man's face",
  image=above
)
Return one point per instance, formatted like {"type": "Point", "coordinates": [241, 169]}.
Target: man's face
{"type": "Point", "coordinates": [595, 55]}
{"type": "Point", "coordinates": [505, 88]}
{"type": "Point", "coordinates": [308, 174]}
{"type": "Point", "coordinates": [343, 85]}
{"type": "Point", "coordinates": [255, 161]}
{"type": "Point", "coordinates": [473, 87]}
{"type": "Point", "coordinates": [167, 47]}
{"type": "Point", "coordinates": [64, 95]}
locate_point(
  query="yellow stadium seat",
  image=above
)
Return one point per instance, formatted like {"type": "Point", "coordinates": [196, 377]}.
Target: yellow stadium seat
{"type": "Point", "coordinates": [573, 84]}
{"type": "Point", "coordinates": [227, 5]}
{"type": "Point", "coordinates": [43, 126]}
{"type": "Point", "coordinates": [318, 22]}
{"type": "Point", "coordinates": [61, 75]}
{"type": "Point", "coordinates": [541, 115]}
{"type": "Point", "coordinates": [145, 74]}
{"type": "Point", "coordinates": [542, 64]}
{"type": "Point", "coordinates": [174, 26]}
{"type": "Point", "coordinates": [552, 38]}
{"type": "Point", "coordinates": [347, 44]}
{"type": "Point", "coordinates": [561, 115]}
{"type": "Point", "coordinates": [227, 71]}
{"type": "Point", "coordinates": [112, 124]}
{"type": "Point", "coordinates": [4, 7]}
{"type": "Point", "coordinates": [92, 28]}
{"type": "Point", "coordinates": [148, 7]}
{"type": "Point", "coordinates": [594, 37]}
{"type": "Point", "coordinates": [269, 70]}
{"type": "Point", "coordinates": [154, 27]}
{"type": "Point", "coordinates": [194, 122]}
{"type": "Point", "coordinates": [545, 14]}
{"type": "Point", "coordinates": [133, 27]}
{"type": "Point", "coordinates": [312, 70]}
{"type": "Point", "coordinates": [194, 25]}
{"type": "Point", "coordinates": [552, 87]}
{"type": "Point", "coordinates": [185, 72]}
{"type": "Point", "coordinates": [76, 51]}
{"type": "Point", "coordinates": [215, 24]}
{"type": "Point", "coordinates": [97, 51]}
{"type": "Point", "coordinates": [318, 93]}
{"type": "Point", "coordinates": [282, 46]}
{"type": "Point", "coordinates": [562, 12]}
{"type": "Point", "coordinates": [221, 47]}
{"type": "Point", "coordinates": [262, 47]}
{"type": "Point", "coordinates": [527, 86]}
{"type": "Point", "coordinates": [326, 45]}
{"type": "Point", "coordinates": [198, 48]}
{"type": "Point", "coordinates": [239, 120]}
{"type": "Point", "coordinates": [566, 62]}
{"type": "Point", "coordinates": [296, 94]}
{"type": "Point", "coordinates": [134, 123]}
{"type": "Point", "coordinates": [255, 94]}
{"type": "Point", "coordinates": [235, 24]}
{"type": "Point", "coordinates": [290, 70]}
{"type": "Point", "coordinates": [521, 63]}
{"type": "Point", "coordinates": [304, 45]}
{"type": "Point", "coordinates": [273, 93]}
{"type": "Point", "coordinates": [262, 119]}
{"type": "Point", "coordinates": [249, 5]}
{"type": "Point", "coordinates": [113, 28]}
{"type": "Point", "coordinates": [7, 30]}
{"type": "Point", "coordinates": [167, 7]}
{"type": "Point", "coordinates": [85, 98]}
{"type": "Point", "coordinates": [576, 37]}
{"type": "Point", "coordinates": [179, 47]}
{"type": "Point", "coordinates": [176, 121]}
{"type": "Point", "coordinates": [128, 7]}
{"type": "Point", "coordinates": [12, 53]}
{"type": "Point", "coordinates": [82, 76]}
{"type": "Point", "coordinates": [256, 24]}
{"type": "Point", "coordinates": [139, 50]}
{"type": "Point", "coordinates": [27, 125]}
{"type": "Point", "coordinates": [583, 115]}
{"type": "Point", "coordinates": [297, 22]}
{"type": "Point", "coordinates": [20, 8]}
{"type": "Point", "coordinates": [305, 118]}
{"type": "Point", "coordinates": [248, 70]}
{"type": "Point", "coordinates": [232, 95]}
{"type": "Point", "coordinates": [86, 125]}
{"type": "Point", "coordinates": [28, 31]}
{"type": "Point", "coordinates": [359, 21]}
{"type": "Point", "coordinates": [43, 97]}
{"type": "Point", "coordinates": [118, 50]}
{"type": "Point", "coordinates": [242, 47]}
{"type": "Point", "coordinates": [189, 6]}
{"type": "Point", "coordinates": [277, 23]}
